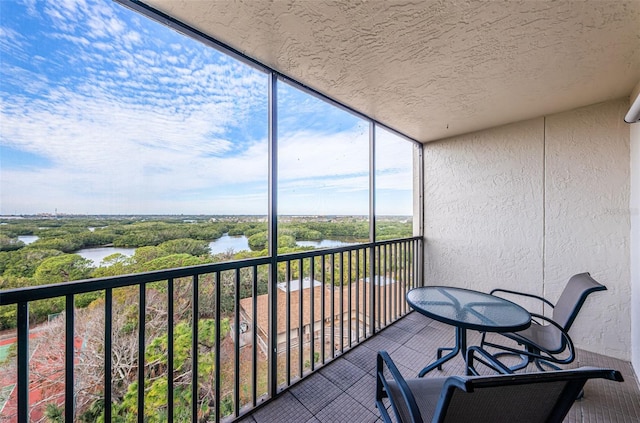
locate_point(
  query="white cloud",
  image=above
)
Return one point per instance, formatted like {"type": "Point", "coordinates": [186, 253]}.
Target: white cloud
{"type": "Point", "coordinates": [137, 122]}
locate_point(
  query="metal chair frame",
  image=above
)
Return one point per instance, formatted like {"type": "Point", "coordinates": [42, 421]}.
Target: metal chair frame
{"type": "Point", "coordinates": [533, 351]}
{"type": "Point", "coordinates": [468, 385]}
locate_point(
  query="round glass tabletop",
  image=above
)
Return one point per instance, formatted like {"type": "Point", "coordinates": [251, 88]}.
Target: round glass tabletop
{"type": "Point", "coordinates": [469, 309]}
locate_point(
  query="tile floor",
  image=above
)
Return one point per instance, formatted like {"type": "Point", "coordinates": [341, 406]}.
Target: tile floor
{"type": "Point", "coordinates": [343, 390]}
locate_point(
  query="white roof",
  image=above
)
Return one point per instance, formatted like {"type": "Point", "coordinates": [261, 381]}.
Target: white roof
{"type": "Point", "coordinates": [294, 284]}
{"type": "Point", "coordinates": [381, 280]}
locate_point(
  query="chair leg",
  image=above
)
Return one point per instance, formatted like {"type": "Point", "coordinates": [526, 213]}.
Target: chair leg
{"type": "Point", "coordinates": [525, 360]}
{"type": "Point", "coordinates": [539, 362]}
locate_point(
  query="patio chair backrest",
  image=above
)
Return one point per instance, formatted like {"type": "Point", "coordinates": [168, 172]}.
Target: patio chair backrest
{"type": "Point", "coordinates": [543, 397]}
{"type": "Point", "coordinates": [522, 398]}
{"type": "Point", "coordinates": [573, 297]}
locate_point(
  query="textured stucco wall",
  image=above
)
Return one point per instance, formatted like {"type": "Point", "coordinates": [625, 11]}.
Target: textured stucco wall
{"type": "Point", "coordinates": [587, 219]}
{"type": "Point", "coordinates": [484, 208]}
{"type": "Point", "coordinates": [529, 204]}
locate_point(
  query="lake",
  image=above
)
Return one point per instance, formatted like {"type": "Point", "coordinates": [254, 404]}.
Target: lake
{"type": "Point", "coordinates": [220, 245]}
{"type": "Point", "coordinates": [27, 239]}
{"type": "Point", "coordinates": [325, 243]}
{"type": "Point", "coordinates": [226, 243]}
{"type": "Point", "coordinates": [96, 255]}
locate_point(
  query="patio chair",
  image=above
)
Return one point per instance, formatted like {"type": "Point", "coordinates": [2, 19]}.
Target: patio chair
{"type": "Point", "coordinates": [506, 398]}
{"type": "Point", "coordinates": [547, 340]}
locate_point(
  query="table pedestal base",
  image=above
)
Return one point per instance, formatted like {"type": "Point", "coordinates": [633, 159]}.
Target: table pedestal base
{"type": "Point", "coordinates": [461, 346]}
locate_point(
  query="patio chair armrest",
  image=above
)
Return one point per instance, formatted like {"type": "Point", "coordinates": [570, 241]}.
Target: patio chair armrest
{"type": "Point", "coordinates": [482, 356]}
{"type": "Point", "coordinates": [382, 389]}
{"type": "Point", "coordinates": [524, 294]}
{"type": "Point", "coordinates": [564, 333]}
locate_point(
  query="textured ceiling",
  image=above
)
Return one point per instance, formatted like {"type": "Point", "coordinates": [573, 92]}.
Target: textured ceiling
{"type": "Point", "coordinates": [434, 69]}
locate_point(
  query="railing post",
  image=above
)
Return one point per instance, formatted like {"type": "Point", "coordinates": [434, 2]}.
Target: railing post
{"type": "Point", "coordinates": [108, 318]}
{"type": "Point", "coordinates": [312, 312]}
{"type": "Point", "coordinates": [69, 359]}
{"type": "Point", "coordinates": [236, 334]}
{"type": "Point", "coordinates": [142, 309]}
{"type": "Point", "coordinates": [23, 362]}
{"type": "Point", "coordinates": [420, 253]}
{"type": "Point", "coordinates": [194, 347]}
{"type": "Point", "coordinates": [372, 225]}
{"type": "Point", "coordinates": [218, 326]}
{"type": "Point", "coordinates": [254, 335]}
{"type": "Point", "coordinates": [272, 355]}
{"type": "Point", "coordinates": [170, 350]}
{"type": "Point", "coordinates": [421, 263]}
{"type": "Point", "coordinates": [372, 290]}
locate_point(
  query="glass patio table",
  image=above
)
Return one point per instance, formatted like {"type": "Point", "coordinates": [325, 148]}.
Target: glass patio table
{"type": "Point", "coordinates": [466, 309]}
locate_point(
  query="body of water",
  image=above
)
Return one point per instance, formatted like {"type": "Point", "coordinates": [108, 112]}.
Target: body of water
{"type": "Point", "coordinates": [96, 255]}
{"type": "Point", "coordinates": [325, 243]}
{"type": "Point", "coordinates": [226, 243]}
{"type": "Point", "coordinates": [27, 239]}
{"type": "Point", "coordinates": [220, 245]}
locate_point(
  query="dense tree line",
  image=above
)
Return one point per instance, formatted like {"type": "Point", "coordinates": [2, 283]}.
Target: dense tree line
{"type": "Point", "coordinates": [160, 243]}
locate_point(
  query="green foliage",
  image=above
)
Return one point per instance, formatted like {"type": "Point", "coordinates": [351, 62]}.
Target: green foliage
{"type": "Point", "coordinates": [394, 229]}
{"type": "Point", "coordinates": [96, 238]}
{"type": "Point", "coordinates": [83, 300]}
{"type": "Point", "coordinates": [156, 232]}
{"type": "Point", "coordinates": [156, 352]}
{"type": "Point", "coordinates": [186, 246]}
{"type": "Point", "coordinates": [157, 371]}
{"type": "Point", "coordinates": [149, 253]}
{"type": "Point", "coordinates": [10, 244]}
{"type": "Point", "coordinates": [94, 412]}
{"type": "Point", "coordinates": [54, 413]}
{"type": "Point", "coordinates": [113, 265]}
{"type": "Point", "coordinates": [115, 259]}
{"type": "Point", "coordinates": [316, 359]}
{"type": "Point", "coordinates": [63, 268]}
{"type": "Point", "coordinates": [52, 267]}
{"type": "Point", "coordinates": [66, 244]}
{"type": "Point", "coordinates": [345, 228]}
{"type": "Point", "coordinates": [8, 316]}
{"type": "Point", "coordinates": [137, 239]}
{"type": "Point", "coordinates": [171, 262]}
{"type": "Point", "coordinates": [258, 241]}
{"type": "Point", "coordinates": [247, 228]}
{"type": "Point", "coordinates": [39, 311]}
{"type": "Point", "coordinates": [286, 241]}
{"type": "Point", "coordinates": [23, 263]}
{"type": "Point", "coordinates": [301, 232]}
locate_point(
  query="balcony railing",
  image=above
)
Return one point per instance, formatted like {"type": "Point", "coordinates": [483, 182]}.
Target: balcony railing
{"type": "Point", "coordinates": [227, 334]}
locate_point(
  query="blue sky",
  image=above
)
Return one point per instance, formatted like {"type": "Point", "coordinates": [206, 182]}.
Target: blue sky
{"type": "Point", "coordinates": [103, 111]}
